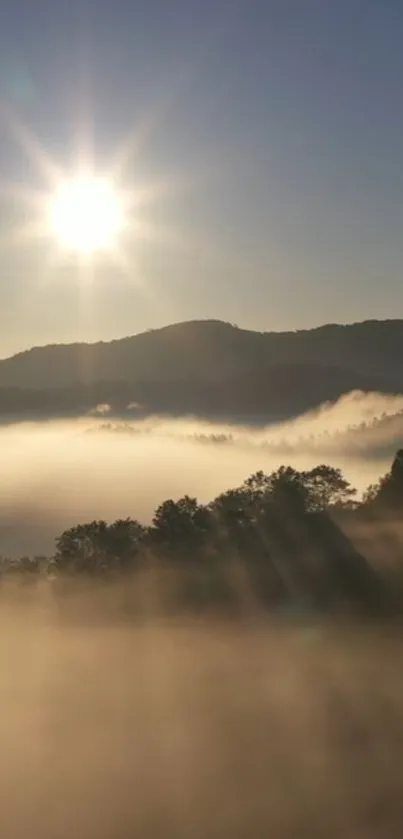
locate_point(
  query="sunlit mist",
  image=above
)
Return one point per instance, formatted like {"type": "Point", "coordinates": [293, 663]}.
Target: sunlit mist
{"type": "Point", "coordinates": [58, 473]}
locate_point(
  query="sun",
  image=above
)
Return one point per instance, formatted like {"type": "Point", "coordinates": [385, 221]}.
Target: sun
{"type": "Point", "coordinates": [86, 214]}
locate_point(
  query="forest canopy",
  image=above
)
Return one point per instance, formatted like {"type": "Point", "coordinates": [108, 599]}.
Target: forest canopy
{"type": "Point", "coordinates": [285, 534]}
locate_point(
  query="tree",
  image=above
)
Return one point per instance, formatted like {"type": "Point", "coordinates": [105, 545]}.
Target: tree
{"type": "Point", "coordinates": [233, 513]}
{"type": "Point", "coordinates": [284, 489]}
{"type": "Point", "coordinates": [81, 548]}
{"type": "Point", "coordinates": [181, 527]}
{"type": "Point", "coordinates": [232, 508]}
{"type": "Point", "coordinates": [374, 491]}
{"type": "Point", "coordinates": [327, 487]}
{"type": "Point", "coordinates": [317, 489]}
{"type": "Point", "coordinates": [387, 493]}
{"type": "Point", "coordinates": [98, 547]}
{"type": "Point", "coordinates": [125, 541]}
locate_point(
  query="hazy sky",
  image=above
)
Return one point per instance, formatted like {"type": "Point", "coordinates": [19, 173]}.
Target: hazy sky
{"type": "Point", "coordinates": [277, 126]}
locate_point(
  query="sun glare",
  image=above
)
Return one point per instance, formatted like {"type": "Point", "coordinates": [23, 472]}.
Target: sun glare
{"type": "Point", "coordinates": [86, 214]}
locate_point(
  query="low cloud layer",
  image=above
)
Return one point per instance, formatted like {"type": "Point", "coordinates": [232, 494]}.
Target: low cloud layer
{"type": "Point", "coordinates": [58, 473]}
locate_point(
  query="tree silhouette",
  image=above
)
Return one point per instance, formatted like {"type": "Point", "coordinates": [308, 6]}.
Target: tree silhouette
{"type": "Point", "coordinates": [282, 531]}
{"type": "Point", "coordinates": [387, 493]}
{"type": "Point", "coordinates": [327, 487]}
{"type": "Point", "coordinates": [180, 527]}
{"type": "Point", "coordinates": [98, 547]}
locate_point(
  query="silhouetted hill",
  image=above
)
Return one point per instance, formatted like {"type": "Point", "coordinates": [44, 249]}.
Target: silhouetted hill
{"type": "Point", "coordinates": [207, 367]}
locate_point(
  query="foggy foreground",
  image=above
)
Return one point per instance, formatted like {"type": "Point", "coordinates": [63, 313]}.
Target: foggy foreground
{"type": "Point", "coordinates": [120, 722]}
{"type": "Point", "coordinates": [56, 474]}
{"type": "Point", "coordinates": [200, 729]}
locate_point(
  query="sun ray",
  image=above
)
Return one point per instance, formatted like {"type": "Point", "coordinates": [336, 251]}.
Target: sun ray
{"type": "Point", "coordinates": [130, 147]}
{"type": "Point", "coordinates": [89, 219]}
{"type": "Point", "coordinates": [29, 231]}
{"type": "Point", "coordinates": [133, 143]}
{"type": "Point", "coordinates": [20, 192]}
{"type": "Point", "coordinates": [163, 235]}
{"type": "Point", "coordinates": [32, 147]}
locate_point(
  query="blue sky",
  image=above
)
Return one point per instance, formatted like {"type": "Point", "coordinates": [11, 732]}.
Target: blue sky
{"type": "Point", "coordinates": [279, 126]}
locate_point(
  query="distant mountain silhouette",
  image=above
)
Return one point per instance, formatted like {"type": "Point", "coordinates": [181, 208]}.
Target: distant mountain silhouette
{"type": "Point", "coordinates": [209, 368]}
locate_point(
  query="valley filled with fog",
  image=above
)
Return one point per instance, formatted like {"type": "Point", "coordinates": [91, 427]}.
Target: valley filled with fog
{"type": "Point", "coordinates": [58, 473]}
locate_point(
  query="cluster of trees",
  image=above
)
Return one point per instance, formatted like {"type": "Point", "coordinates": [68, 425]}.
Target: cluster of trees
{"type": "Point", "coordinates": [186, 530]}
{"type": "Point", "coordinates": [277, 536]}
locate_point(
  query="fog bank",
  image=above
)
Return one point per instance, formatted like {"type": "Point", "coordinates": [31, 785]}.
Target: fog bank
{"type": "Point", "coordinates": [196, 731]}
{"type": "Point", "coordinates": [55, 474]}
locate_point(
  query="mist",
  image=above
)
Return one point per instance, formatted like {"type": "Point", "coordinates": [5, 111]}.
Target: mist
{"type": "Point", "coordinates": [195, 730]}
{"type": "Point", "coordinates": [56, 474]}
{"type": "Point", "coordinates": [119, 723]}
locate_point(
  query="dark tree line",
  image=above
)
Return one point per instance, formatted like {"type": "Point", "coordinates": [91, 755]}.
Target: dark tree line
{"type": "Point", "coordinates": [278, 536]}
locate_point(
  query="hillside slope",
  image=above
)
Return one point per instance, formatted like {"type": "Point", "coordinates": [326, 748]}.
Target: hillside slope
{"type": "Point", "coordinates": [209, 368]}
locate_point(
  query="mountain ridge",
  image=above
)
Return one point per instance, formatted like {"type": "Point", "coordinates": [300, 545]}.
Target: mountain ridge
{"type": "Point", "coordinates": [209, 366]}
{"type": "Point", "coordinates": [330, 325]}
